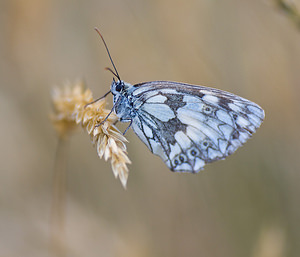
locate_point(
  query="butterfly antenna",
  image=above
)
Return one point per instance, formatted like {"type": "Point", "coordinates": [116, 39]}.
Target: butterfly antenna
{"type": "Point", "coordinates": [116, 72]}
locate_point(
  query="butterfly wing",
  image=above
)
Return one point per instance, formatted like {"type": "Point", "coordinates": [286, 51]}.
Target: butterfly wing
{"type": "Point", "coordinates": [189, 126]}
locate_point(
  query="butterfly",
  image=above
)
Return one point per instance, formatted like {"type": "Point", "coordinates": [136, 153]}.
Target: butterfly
{"type": "Point", "coordinates": [186, 125]}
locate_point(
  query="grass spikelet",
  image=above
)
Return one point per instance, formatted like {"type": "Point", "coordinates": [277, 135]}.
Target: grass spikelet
{"type": "Point", "coordinates": [70, 109]}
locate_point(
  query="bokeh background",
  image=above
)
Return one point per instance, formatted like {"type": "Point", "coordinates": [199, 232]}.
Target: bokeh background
{"type": "Point", "coordinates": [245, 206]}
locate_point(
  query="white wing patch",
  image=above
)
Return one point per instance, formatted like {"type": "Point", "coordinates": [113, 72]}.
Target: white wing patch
{"type": "Point", "coordinates": [211, 99]}
{"type": "Point", "coordinates": [198, 164]}
{"type": "Point", "coordinates": [157, 99]}
{"type": "Point", "coordinates": [226, 130]}
{"type": "Point", "coordinates": [137, 130]}
{"type": "Point", "coordinates": [175, 150]}
{"type": "Point", "coordinates": [223, 145]}
{"type": "Point", "coordinates": [224, 117]}
{"type": "Point", "coordinates": [183, 140]}
{"type": "Point", "coordinates": [160, 111]}
{"type": "Point", "coordinates": [147, 131]}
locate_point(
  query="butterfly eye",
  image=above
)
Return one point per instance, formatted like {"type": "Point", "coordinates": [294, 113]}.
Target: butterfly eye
{"type": "Point", "coordinates": [119, 87]}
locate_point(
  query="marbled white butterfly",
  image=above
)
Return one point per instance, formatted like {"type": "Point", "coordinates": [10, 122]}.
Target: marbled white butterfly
{"type": "Point", "coordinates": [186, 125]}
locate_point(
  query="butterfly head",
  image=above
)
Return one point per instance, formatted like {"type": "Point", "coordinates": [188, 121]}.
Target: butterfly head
{"type": "Point", "coordinates": [120, 88]}
{"type": "Point", "coordinates": [117, 87]}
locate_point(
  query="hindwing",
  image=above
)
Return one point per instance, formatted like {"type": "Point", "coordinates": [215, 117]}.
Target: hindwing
{"type": "Point", "coordinates": [189, 126]}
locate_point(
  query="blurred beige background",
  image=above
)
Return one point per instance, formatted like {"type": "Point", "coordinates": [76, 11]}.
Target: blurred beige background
{"type": "Point", "coordinates": [245, 206]}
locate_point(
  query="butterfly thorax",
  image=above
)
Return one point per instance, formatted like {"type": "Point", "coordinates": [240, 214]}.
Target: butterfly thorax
{"type": "Point", "coordinates": [124, 101]}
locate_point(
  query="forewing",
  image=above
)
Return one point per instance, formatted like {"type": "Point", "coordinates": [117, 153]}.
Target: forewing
{"type": "Point", "coordinates": [189, 126]}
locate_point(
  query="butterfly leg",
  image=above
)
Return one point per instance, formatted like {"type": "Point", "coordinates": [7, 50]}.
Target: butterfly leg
{"type": "Point", "coordinates": [98, 125]}
{"type": "Point", "coordinates": [98, 99]}
{"type": "Point", "coordinates": [127, 128]}
{"type": "Point", "coordinates": [116, 103]}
